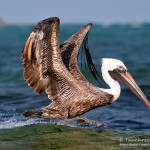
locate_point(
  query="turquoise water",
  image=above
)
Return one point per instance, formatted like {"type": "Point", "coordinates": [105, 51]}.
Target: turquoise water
{"type": "Point", "coordinates": [127, 42]}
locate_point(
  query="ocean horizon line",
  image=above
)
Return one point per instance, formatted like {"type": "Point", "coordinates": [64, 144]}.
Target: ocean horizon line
{"type": "Point", "coordinates": [104, 24]}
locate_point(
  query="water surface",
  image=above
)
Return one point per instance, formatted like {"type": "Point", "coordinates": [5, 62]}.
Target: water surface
{"type": "Point", "coordinates": [127, 42]}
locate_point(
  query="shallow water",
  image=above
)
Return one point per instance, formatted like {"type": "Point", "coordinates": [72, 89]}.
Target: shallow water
{"type": "Point", "coordinates": [129, 43]}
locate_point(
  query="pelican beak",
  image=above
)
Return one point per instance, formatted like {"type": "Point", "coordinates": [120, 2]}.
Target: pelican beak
{"type": "Point", "coordinates": [125, 78]}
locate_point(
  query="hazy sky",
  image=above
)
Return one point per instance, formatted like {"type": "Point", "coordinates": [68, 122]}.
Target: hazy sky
{"type": "Point", "coordinates": [29, 11]}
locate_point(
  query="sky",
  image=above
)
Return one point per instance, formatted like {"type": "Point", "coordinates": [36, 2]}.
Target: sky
{"type": "Point", "coordinates": [75, 11]}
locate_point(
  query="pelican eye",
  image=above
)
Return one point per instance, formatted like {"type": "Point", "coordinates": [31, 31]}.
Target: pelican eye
{"type": "Point", "coordinates": [121, 69]}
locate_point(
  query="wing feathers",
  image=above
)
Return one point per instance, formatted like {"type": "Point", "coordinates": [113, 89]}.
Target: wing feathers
{"type": "Point", "coordinates": [70, 50]}
{"type": "Point", "coordinates": [43, 66]}
{"type": "Point", "coordinates": [34, 58]}
{"type": "Point", "coordinates": [45, 69]}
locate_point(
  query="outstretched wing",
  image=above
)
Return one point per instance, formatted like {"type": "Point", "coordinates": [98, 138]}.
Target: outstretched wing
{"type": "Point", "coordinates": [70, 51]}
{"type": "Point", "coordinates": [32, 61]}
{"type": "Point", "coordinates": [43, 66]}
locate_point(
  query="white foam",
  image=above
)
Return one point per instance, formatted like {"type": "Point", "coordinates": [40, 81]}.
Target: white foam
{"type": "Point", "coordinates": [20, 121]}
{"type": "Point", "coordinates": [13, 122]}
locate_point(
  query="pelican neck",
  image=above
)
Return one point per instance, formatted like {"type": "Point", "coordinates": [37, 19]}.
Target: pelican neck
{"type": "Point", "coordinates": [115, 89]}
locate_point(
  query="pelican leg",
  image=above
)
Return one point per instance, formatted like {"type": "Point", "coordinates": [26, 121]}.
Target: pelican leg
{"type": "Point", "coordinates": [87, 122]}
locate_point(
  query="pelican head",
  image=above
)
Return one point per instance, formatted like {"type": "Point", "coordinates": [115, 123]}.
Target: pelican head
{"type": "Point", "coordinates": [114, 70]}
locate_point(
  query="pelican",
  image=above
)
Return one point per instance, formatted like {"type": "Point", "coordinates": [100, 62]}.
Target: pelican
{"type": "Point", "coordinates": [53, 68]}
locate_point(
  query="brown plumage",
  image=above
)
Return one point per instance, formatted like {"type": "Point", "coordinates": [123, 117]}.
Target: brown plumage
{"type": "Point", "coordinates": [53, 68]}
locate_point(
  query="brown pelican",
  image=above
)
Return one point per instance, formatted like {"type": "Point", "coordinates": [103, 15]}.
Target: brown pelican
{"type": "Point", "coordinates": [53, 68]}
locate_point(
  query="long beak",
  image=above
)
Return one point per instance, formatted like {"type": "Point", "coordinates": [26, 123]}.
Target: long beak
{"type": "Point", "coordinates": [127, 79]}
